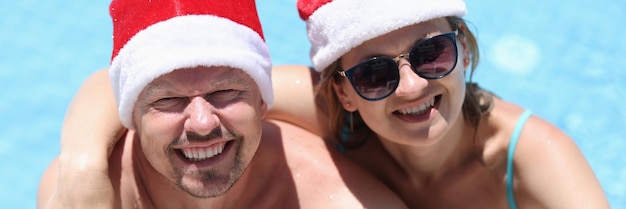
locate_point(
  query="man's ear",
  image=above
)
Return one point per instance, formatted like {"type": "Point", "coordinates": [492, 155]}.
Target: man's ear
{"type": "Point", "coordinates": [263, 108]}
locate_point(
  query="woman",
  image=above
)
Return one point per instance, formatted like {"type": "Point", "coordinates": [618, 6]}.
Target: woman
{"type": "Point", "coordinates": [393, 86]}
{"type": "Point", "coordinates": [394, 92]}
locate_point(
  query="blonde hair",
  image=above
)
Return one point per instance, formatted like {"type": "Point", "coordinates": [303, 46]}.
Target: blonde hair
{"type": "Point", "coordinates": [477, 101]}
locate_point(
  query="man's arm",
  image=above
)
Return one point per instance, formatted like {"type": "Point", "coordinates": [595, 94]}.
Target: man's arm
{"type": "Point", "coordinates": [74, 188]}
{"type": "Point", "coordinates": [294, 97]}
{"type": "Point", "coordinates": [79, 178]}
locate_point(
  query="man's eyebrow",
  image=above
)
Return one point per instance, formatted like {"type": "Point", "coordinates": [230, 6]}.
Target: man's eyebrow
{"type": "Point", "coordinates": [164, 86]}
{"type": "Point", "coordinates": [155, 89]}
{"type": "Point", "coordinates": [237, 79]}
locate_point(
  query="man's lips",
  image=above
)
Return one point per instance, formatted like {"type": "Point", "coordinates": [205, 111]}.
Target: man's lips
{"type": "Point", "coordinates": [204, 153]}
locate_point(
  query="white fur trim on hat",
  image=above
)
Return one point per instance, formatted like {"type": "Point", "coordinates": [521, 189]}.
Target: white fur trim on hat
{"type": "Point", "coordinates": [184, 42]}
{"type": "Point", "coordinates": [340, 25]}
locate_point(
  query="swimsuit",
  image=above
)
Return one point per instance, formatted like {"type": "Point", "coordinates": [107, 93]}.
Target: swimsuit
{"type": "Point", "coordinates": [509, 159]}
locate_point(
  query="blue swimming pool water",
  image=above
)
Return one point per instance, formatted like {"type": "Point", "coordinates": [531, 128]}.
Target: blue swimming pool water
{"type": "Point", "coordinates": [562, 60]}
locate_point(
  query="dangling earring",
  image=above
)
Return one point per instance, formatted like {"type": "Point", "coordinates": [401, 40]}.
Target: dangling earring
{"type": "Point", "coordinates": [351, 123]}
{"type": "Point", "coordinates": [344, 143]}
{"type": "Point", "coordinates": [349, 119]}
{"type": "Point", "coordinates": [345, 131]}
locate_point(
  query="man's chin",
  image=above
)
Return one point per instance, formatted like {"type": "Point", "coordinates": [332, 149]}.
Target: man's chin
{"type": "Point", "coordinates": [205, 191]}
{"type": "Point", "coordinates": [208, 186]}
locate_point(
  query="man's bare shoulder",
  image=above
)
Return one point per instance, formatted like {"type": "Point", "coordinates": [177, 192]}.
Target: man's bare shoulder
{"type": "Point", "coordinates": [323, 177]}
{"type": "Point", "coordinates": [297, 140]}
{"type": "Point", "coordinates": [123, 173]}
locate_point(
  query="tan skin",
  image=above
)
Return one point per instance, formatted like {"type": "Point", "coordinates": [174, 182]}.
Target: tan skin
{"type": "Point", "coordinates": [437, 163]}
{"type": "Point", "coordinates": [445, 169]}
{"type": "Point", "coordinates": [288, 167]}
{"type": "Point", "coordinates": [536, 169]}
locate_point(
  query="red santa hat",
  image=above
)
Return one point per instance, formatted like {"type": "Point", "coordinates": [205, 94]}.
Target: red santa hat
{"type": "Point", "coordinates": [155, 37]}
{"type": "Point", "coordinates": [335, 27]}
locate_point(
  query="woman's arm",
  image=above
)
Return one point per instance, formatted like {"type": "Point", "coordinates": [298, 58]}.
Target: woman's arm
{"type": "Point", "coordinates": [79, 177]}
{"type": "Point", "coordinates": [294, 98]}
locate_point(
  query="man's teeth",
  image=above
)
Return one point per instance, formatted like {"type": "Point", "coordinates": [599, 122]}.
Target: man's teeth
{"type": "Point", "coordinates": [203, 153]}
{"type": "Point", "coordinates": [419, 109]}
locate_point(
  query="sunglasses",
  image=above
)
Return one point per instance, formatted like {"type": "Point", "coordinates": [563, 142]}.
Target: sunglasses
{"type": "Point", "coordinates": [432, 58]}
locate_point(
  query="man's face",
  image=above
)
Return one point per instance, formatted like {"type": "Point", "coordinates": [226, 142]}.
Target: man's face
{"type": "Point", "coordinates": [200, 127]}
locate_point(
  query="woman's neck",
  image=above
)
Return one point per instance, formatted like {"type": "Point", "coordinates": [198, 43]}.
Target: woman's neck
{"type": "Point", "coordinates": [426, 164]}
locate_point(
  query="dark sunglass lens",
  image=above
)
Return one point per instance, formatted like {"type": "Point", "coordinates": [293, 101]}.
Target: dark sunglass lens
{"type": "Point", "coordinates": [375, 78]}
{"type": "Point", "coordinates": [434, 58]}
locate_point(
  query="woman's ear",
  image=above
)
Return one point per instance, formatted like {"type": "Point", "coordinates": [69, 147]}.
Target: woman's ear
{"type": "Point", "coordinates": [343, 97]}
{"type": "Point", "coordinates": [463, 39]}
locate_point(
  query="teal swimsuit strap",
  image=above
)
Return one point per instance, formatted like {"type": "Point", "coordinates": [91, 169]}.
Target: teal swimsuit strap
{"type": "Point", "coordinates": [509, 160]}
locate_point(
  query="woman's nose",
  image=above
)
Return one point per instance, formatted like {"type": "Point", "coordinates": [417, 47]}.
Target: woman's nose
{"type": "Point", "coordinates": [410, 83]}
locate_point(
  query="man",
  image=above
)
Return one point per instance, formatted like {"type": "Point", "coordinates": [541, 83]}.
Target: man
{"type": "Point", "coordinates": [192, 83]}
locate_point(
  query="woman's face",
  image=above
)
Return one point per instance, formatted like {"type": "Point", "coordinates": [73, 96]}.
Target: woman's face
{"type": "Point", "coordinates": [420, 111]}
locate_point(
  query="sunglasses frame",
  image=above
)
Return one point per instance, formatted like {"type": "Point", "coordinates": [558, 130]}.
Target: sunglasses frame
{"type": "Point", "coordinates": [451, 36]}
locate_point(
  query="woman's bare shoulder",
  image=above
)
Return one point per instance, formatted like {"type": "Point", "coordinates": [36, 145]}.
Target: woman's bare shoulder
{"type": "Point", "coordinates": [496, 131]}
{"type": "Point", "coordinates": [542, 154]}
{"type": "Point", "coordinates": [536, 133]}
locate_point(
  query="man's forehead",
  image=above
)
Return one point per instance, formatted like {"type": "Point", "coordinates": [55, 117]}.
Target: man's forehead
{"type": "Point", "coordinates": [201, 75]}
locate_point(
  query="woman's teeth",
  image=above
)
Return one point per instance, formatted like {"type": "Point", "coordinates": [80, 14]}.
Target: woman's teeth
{"type": "Point", "coordinates": [203, 153]}
{"type": "Point", "coordinates": [419, 109]}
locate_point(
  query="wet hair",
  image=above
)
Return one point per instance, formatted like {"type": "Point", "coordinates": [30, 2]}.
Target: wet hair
{"type": "Point", "coordinates": [477, 101]}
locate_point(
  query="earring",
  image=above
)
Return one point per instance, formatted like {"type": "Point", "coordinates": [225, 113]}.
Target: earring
{"type": "Point", "coordinates": [466, 61]}
{"type": "Point", "coordinates": [351, 123]}
{"type": "Point", "coordinates": [345, 131]}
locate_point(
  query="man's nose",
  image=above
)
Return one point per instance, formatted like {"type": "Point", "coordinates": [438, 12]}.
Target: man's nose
{"type": "Point", "coordinates": [201, 117]}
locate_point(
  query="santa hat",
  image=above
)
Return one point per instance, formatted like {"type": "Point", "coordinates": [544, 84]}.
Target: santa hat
{"type": "Point", "coordinates": [155, 37]}
{"type": "Point", "coordinates": [335, 27]}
